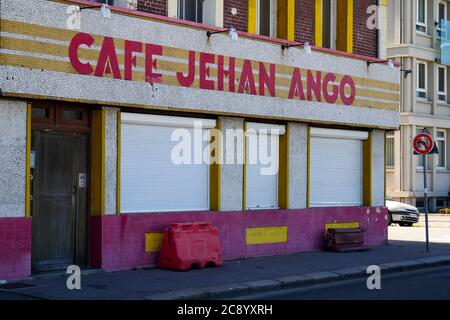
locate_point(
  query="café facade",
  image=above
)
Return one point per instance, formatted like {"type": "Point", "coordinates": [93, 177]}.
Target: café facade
{"type": "Point", "coordinates": [87, 121]}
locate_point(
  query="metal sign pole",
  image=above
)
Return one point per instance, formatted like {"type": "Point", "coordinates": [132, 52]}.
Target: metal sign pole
{"type": "Point", "coordinates": [425, 166]}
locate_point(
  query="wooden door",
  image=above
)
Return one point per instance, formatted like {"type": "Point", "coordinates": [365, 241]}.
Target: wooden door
{"type": "Point", "coordinates": [59, 200]}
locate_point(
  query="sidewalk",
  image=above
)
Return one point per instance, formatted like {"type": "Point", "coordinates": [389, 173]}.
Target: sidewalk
{"type": "Point", "coordinates": [435, 220]}
{"type": "Point", "coordinates": [236, 277]}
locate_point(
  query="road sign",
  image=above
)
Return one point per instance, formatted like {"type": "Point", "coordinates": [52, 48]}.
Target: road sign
{"type": "Point", "coordinates": [423, 143]}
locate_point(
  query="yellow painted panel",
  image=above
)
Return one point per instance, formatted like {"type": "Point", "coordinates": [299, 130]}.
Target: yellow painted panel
{"type": "Point", "coordinates": [282, 19]}
{"type": "Point", "coordinates": [283, 172]}
{"type": "Point", "coordinates": [318, 23]}
{"type": "Point", "coordinates": [367, 171]}
{"type": "Point", "coordinates": [286, 19]}
{"type": "Point", "coordinates": [291, 20]}
{"type": "Point", "coordinates": [153, 242]}
{"type": "Point", "coordinates": [344, 33]}
{"type": "Point", "coordinates": [341, 225]}
{"type": "Point", "coordinates": [251, 16]}
{"type": "Point", "coordinates": [214, 181]}
{"type": "Point", "coordinates": [350, 10]}
{"type": "Point", "coordinates": [98, 163]}
{"type": "Point", "coordinates": [264, 235]}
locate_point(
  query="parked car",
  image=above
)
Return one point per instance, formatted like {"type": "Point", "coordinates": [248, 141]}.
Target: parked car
{"type": "Point", "coordinates": [403, 214]}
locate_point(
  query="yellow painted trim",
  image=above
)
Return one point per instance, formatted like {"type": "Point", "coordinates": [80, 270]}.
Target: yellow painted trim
{"type": "Point", "coordinates": [119, 159]}
{"type": "Point", "coordinates": [308, 169]}
{"type": "Point", "coordinates": [28, 164]}
{"type": "Point", "coordinates": [318, 30]}
{"type": "Point", "coordinates": [282, 19]}
{"type": "Point", "coordinates": [350, 6]}
{"type": "Point", "coordinates": [153, 242]}
{"type": "Point", "coordinates": [264, 235]}
{"type": "Point", "coordinates": [283, 172]}
{"type": "Point", "coordinates": [98, 162]}
{"type": "Point", "coordinates": [286, 19]}
{"type": "Point", "coordinates": [214, 179]}
{"type": "Point", "coordinates": [291, 20]}
{"type": "Point", "coordinates": [244, 178]}
{"type": "Point", "coordinates": [251, 16]}
{"type": "Point", "coordinates": [367, 171]}
{"type": "Point", "coordinates": [341, 225]}
{"type": "Point", "coordinates": [344, 28]}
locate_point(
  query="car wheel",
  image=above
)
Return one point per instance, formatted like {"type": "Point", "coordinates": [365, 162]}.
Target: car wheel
{"type": "Point", "coordinates": [405, 224]}
{"type": "Point", "coordinates": [389, 219]}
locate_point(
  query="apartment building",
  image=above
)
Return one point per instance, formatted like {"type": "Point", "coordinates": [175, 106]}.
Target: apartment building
{"type": "Point", "coordinates": [416, 30]}
{"type": "Point", "coordinates": [95, 100]}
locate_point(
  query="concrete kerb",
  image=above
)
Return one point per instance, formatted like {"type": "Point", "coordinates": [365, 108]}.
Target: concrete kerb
{"type": "Point", "coordinates": [297, 281]}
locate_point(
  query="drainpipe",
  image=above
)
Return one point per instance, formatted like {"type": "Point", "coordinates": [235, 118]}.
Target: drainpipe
{"type": "Point", "coordinates": [379, 28]}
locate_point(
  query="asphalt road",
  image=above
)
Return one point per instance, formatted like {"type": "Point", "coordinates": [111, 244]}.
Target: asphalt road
{"type": "Point", "coordinates": [424, 284]}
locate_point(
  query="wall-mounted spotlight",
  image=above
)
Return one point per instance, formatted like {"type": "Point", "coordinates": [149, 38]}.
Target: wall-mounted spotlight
{"type": "Point", "coordinates": [389, 62]}
{"type": "Point", "coordinates": [305, 45]}
{"type": "Point", "coordinates": [406, 71]}
{"type": "Point", "coordinates": [231, 32]}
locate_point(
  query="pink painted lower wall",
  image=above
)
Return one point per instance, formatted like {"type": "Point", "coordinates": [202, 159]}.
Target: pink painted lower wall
{"type": "Point", "coordinates": [15, 248]}
{"type": "Point", "coordinates": [118, 241]}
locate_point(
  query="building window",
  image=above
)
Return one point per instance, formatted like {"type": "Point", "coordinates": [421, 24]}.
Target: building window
{"type": "Point", "coordinates": [130, 4]}
{"type": "Point", "coordinates": [329, 14]}
{"type": "Point", "coordinates": [421, 21]}
{"type": "Point", "coordinates": [441, 141]}
{"type": "Point", "coordinates": [441, 16]}
{"type": "Point", "coordinates": [421, 80]}
{"type": "Point", "coordinates": [442, 84]}
{"type": "Point", "coordinates": [336, 167]}
{"type": "Point", "coordinates": [208, 12]}
{"type": "Point", "coordinates": [261, 165]}
{"type": "Point", "coordinates": [191, 10]}
{"type": "Point", "coordinates": [420, 204]}
{"type": "Point", "coordinates": [162, 168]}
{"type": "Point", "coordinates": [266, 15]}
{"type": "Point", "coordinates": [441, 203]}
{"type": "Point", "coordinates": [390, 149]}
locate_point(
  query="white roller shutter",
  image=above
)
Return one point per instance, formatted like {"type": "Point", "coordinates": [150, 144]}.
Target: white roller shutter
{"type": "Point", "coordinates": [150, 180]}
{"type": "Point", "coordinates": [336, 167]}
{"type": "Point", "coordinates": [261, 186]}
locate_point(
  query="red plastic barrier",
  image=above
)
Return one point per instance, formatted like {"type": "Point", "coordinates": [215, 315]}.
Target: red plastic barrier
{"type": "Point", "coordinates": [190, 244]}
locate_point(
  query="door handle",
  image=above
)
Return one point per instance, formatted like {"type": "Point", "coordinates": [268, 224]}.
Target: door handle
{"type": "Point", "coordinates": [74, 190]}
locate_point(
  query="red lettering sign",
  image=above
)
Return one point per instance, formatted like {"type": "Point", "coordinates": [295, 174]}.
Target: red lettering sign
{"type": "Point", "coordinates": [78, 40]}
{"type": "Point", "coordinates": [247, 82]}
{"type": "Point", "coordinates": [318, 84]}
{"type": "Point", "coordinates": [130, 59]}
{"type": "Point", "coordinates": [151, 64]}
{"type": "Point", "coordinates": [107, 60]}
